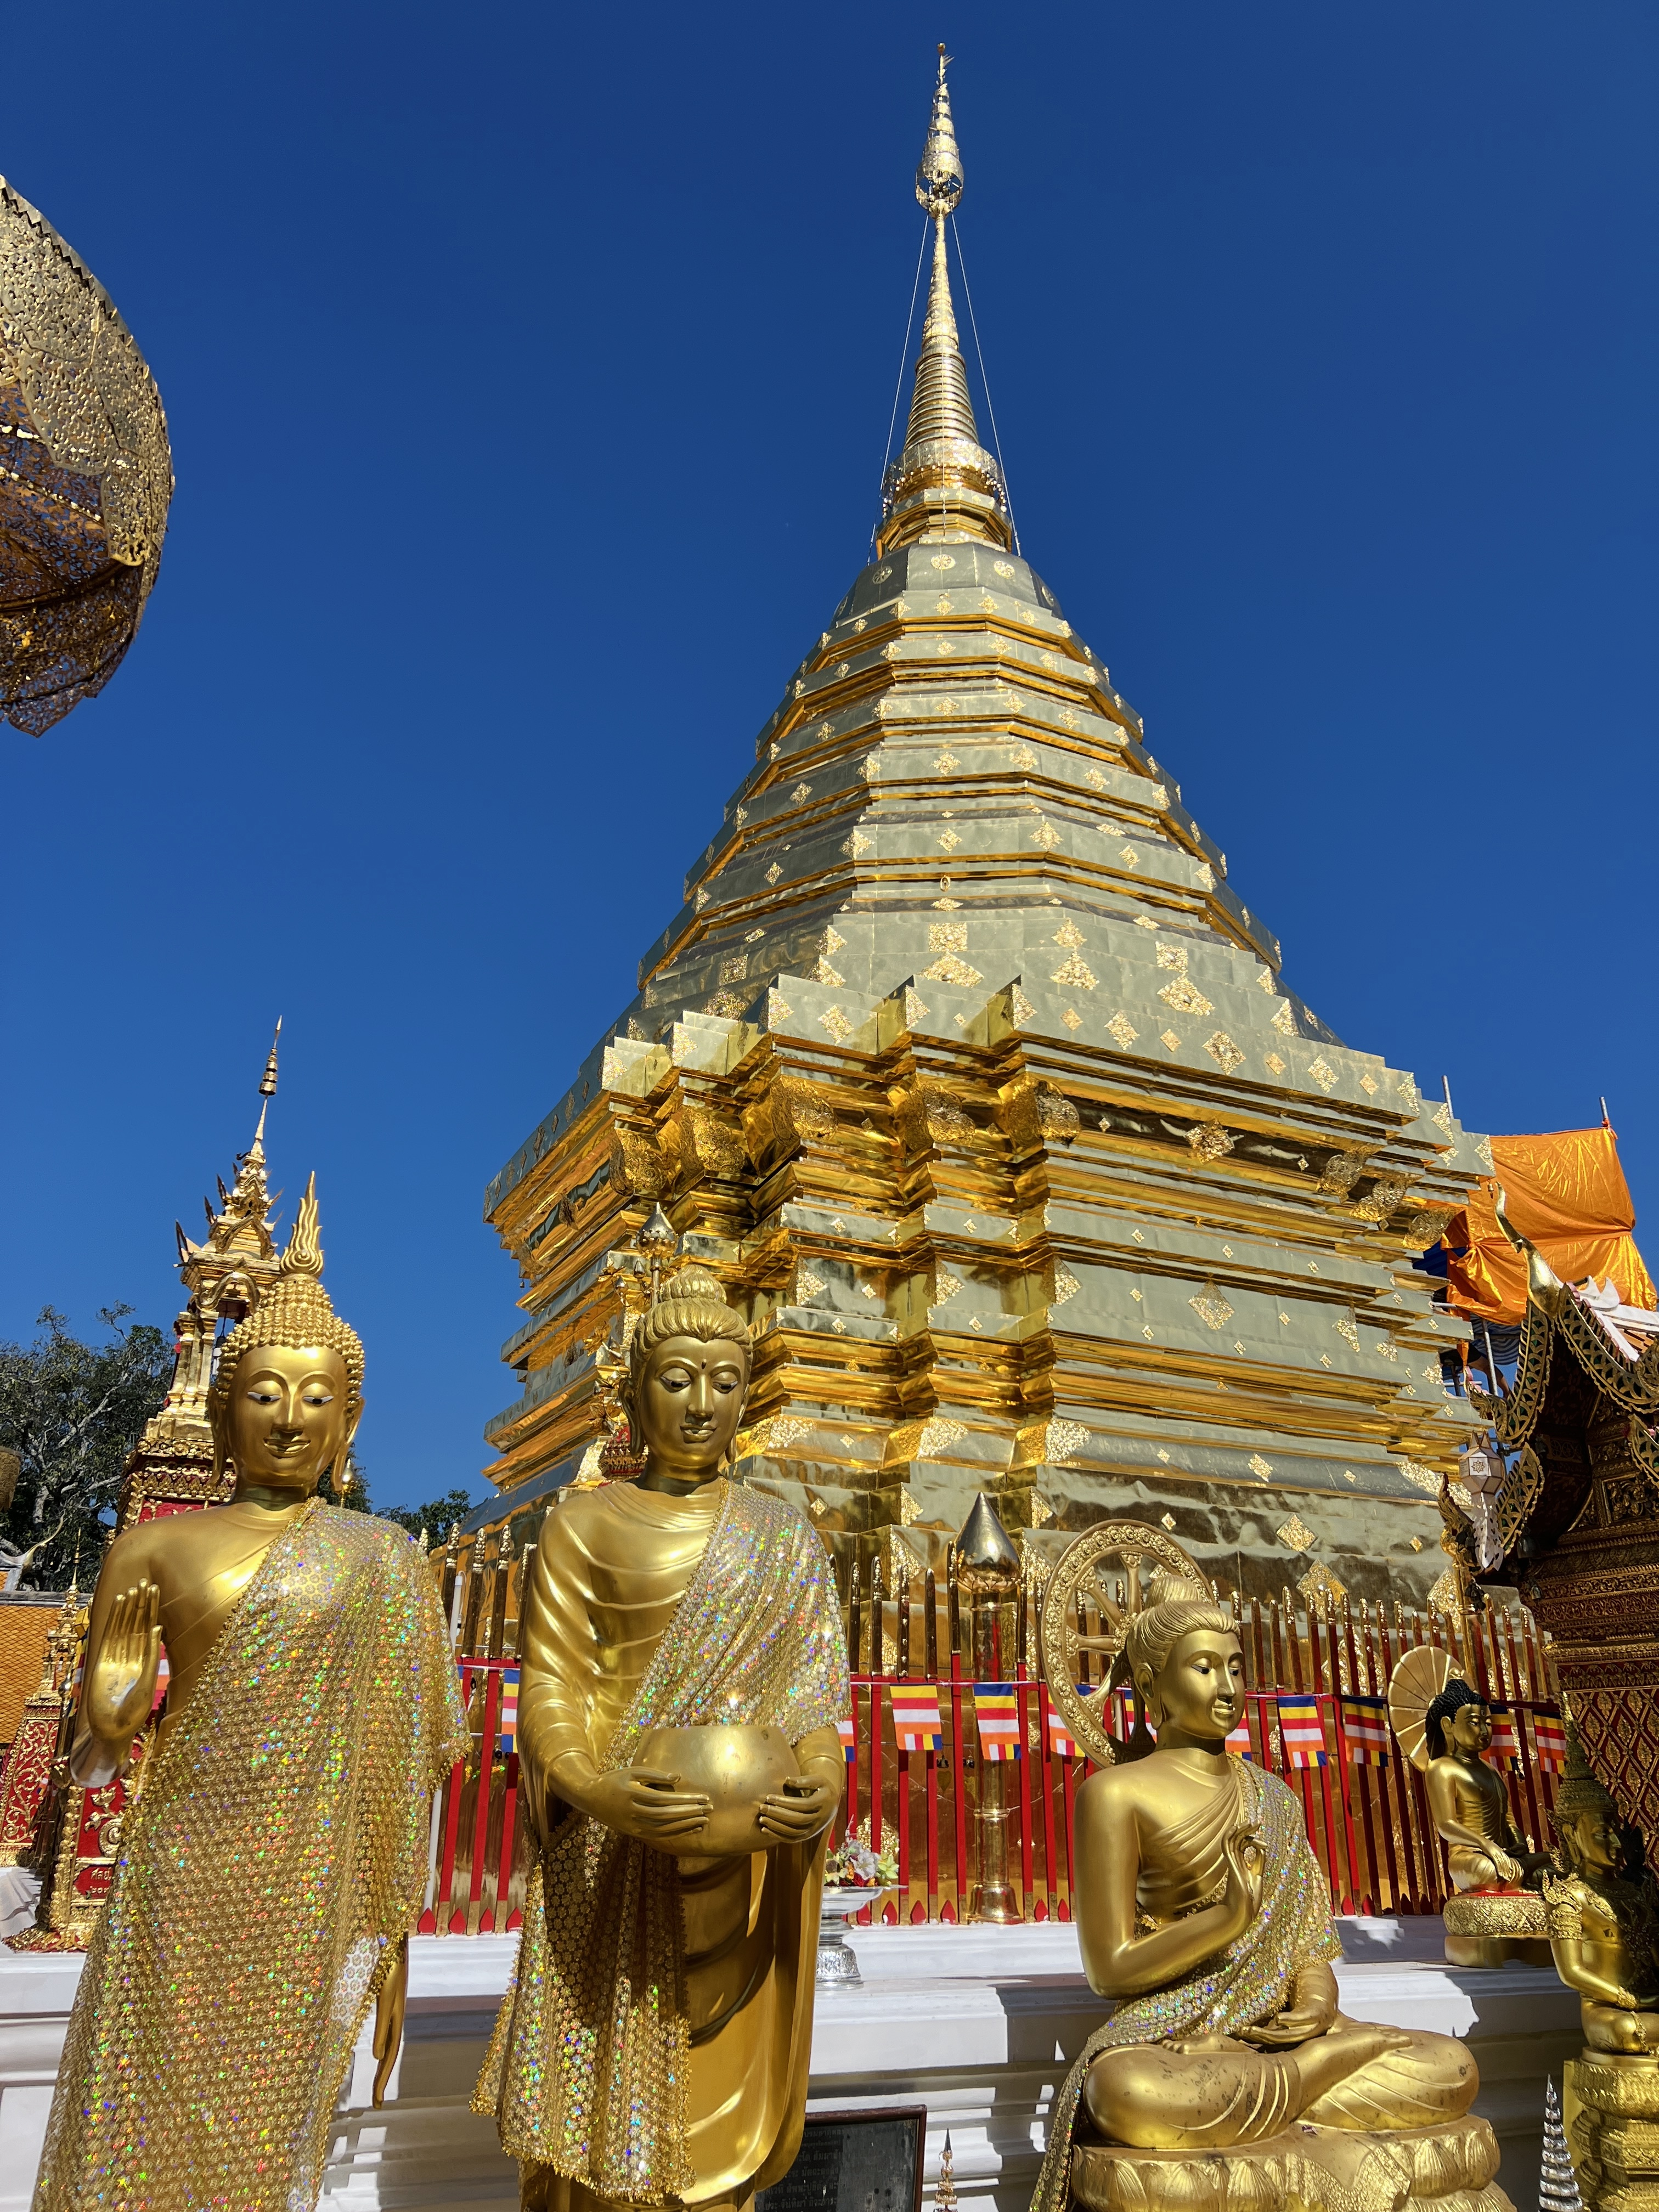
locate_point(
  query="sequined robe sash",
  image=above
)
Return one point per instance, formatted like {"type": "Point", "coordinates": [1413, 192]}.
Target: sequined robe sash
{"type": "Point", "coordinates": [1247, 1982]}
{"type": "Point", "coordinates": [279, 1848]}
{"type": "Point", "coordinates": [586, 2071]}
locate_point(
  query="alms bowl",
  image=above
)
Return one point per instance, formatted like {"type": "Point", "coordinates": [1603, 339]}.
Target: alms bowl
{"type": "Point", "coordinates": [737, 1767]}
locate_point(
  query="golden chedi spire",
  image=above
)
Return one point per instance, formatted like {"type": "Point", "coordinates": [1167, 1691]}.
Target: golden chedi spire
{"type": "Point", "coordinates": [944, 485]}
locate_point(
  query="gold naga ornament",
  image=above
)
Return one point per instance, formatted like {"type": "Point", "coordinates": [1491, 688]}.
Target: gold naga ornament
{"type": "Point", "coordinates": [1226, 2074]}
{"type": "Point", "coordinates": [683, 1673]}
{"type": "Point", "coordinates": [1444, 1728]}
{"type": "Point", "coordinates": [1604, 1935]}
{"type": "Point", "coordinates": [85, 475]}
{"type": "Point", "coordinates": [266, 1882]}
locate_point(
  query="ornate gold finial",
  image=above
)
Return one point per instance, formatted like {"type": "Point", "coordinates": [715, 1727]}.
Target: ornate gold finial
{"type": "Point", "coordinates": [940, 173]}
{"type": "Point", "coordinates": [267, 1088]}
{"type": "Point", "coordinates": [984, 1550]}
{"type": "Point", "coordinates": [944, 483]}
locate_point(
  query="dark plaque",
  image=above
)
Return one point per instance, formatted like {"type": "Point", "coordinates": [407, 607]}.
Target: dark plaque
{"type": "Point", "coordinates": [855, 2162]}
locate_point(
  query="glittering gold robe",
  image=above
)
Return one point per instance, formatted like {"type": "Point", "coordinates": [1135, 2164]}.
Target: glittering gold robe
{"type": "Point", "coordinates": [655, 2042]}
{"type": "Point", "coordinates": [1247, 1982]}
{"type": "Point", "coordinates": [279, 1848]}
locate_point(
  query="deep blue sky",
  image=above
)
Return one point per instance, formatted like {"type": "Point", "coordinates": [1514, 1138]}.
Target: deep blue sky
{"type": "Point", "coordinates": [528, 371]}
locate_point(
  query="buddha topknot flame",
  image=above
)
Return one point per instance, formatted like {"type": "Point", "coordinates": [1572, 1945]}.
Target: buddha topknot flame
{"type": "Point", "coordinates": [297, 1310]}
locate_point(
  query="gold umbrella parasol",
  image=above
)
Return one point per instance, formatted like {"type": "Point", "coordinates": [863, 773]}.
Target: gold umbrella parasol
{"type": "Point", "coordinates": [86, 476]}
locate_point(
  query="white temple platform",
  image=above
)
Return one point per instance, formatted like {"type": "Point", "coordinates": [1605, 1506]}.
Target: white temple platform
{"type": "Point", "coordinates": [978, 2024]}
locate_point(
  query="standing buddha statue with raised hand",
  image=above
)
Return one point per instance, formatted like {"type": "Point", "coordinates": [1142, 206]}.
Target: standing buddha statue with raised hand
{"type": "Point", "coordinates": [682, 1672]}
{"type": "Point", "coordinates": [1203, 1914]}
{"type": "Point", "coordinates": [275, 1859]}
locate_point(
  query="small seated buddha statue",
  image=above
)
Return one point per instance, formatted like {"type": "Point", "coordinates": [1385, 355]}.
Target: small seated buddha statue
{"type": "Point", "coordinates": [684, 1670]}
{"type": "Point", "coordinates": [1445, 1728]}
{"type": "Point", "coordinates": [1604, 1934]}
{"type": "Point", "coordinates": [1203, 1914]}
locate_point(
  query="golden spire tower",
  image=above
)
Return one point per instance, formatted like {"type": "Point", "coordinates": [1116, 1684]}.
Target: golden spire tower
{"type": "Point", "coordinates": [224, 1278]}
{"type": "Point", "coordinates": [966, 1069]}
{"type": "Point", "coordinates": [944, 485]}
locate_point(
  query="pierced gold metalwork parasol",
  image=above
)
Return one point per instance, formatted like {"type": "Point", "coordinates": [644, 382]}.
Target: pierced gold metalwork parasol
{"type": "Point", "coordinates": [86, 476]}
{"type": "Point", "coordinates": [1419, 1677]}
{"type": "Point", "coordinates": [1105, 1579]}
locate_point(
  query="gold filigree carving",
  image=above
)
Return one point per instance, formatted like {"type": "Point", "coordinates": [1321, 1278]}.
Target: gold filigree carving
{"type": "Point", "coordinates": [1063, 1440]}
{"type": "Point", "coordinates": [1211, 1306]}
{"type": "Point", "coordinates": [950, 969]}
{"type": "Point", "coordinates": [1184, 997]}
{"type": "Point", "coordinates": [1212, 1140]}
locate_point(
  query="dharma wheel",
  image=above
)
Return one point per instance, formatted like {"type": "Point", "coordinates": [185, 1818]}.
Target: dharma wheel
{"type": "Point", "coordinates": [1112, 1571]}
{"type": "Point", "coordinates": [86, 476]}
{"type": "Point", "coordinates": [1419, 1677]}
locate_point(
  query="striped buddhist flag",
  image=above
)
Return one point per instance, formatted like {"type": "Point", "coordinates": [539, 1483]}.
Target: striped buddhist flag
{"type": "Point", "coordinates": [1365, 1730]}
{"type": "Point", "coordinates": [1505, 1744]}
{"type": "Point", "coordinates": [1126, 1709]}
{"type": "Point", "coordinates": [1062, 1744]}
{"type": "Point", "coordinates": [849, 1735]}
{"type": "Point", "coordinates": [1299, 1726]}
{"type": "Point", "coordinates": [1239, 1740]}
{"type": "Point", "coordinates": [916, 1722]}
{"type": "Point", "coordinates": [1550, 1735]}
{"type": "Point", "coordinates": [162, 1673]}
{"type": "Point", "coordinates": [996, 1708]}
{"type": "Point", "coordinates": [507, 1721]}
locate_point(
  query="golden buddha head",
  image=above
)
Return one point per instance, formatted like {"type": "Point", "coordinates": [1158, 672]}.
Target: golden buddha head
{"type": "Point", "coordinates": [1458, 1722]}
{"type": "Point", "coordinates": [287, 1392]}
{"type": "Point", "coordinates": [1586, 1817]}
{"type": "Point", "coordinates": [687, 1377]}
{"type": "Point", "coordinates": [1186, 1660]}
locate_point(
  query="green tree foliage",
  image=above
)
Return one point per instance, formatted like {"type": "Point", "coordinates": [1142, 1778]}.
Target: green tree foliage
{"type": "Point", "coordinates": [437, 1516]}
{"type": "Point", "coordinates": [72, 1411]}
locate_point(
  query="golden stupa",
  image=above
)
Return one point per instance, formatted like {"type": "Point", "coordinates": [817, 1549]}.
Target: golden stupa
{"type": "Point", "coordinates": [967, 1070]}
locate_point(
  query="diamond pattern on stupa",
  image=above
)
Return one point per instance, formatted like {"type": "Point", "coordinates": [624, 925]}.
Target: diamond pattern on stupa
{"type": "Point", "coordinates": [967, 1068]}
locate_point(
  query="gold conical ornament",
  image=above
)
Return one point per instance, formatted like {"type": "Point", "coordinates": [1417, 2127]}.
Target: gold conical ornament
{"type": "Point", "coordinates": [1580, 1789]}
{"type": "Point", "coordinates": [944, 484]}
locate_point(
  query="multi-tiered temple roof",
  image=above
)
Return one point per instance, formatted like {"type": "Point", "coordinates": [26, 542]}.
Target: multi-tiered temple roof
{"type": "Point", "coordinates": [979, 1084]}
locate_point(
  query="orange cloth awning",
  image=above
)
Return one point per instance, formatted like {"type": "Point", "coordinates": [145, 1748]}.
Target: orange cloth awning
{"type": "Point", "coordinates": [1564, 1190]}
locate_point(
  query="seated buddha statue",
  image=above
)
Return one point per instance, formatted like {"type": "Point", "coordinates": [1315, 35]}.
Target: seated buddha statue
{"type": "Point", "coordinates": [1469, 1803]}
{"type": "Point", "coordinates": [1604, 1936]}
{"type": "Point", "coordinates": [683, 1673]}
{"type": "Point", "coordinates": [1445, 1728]}
{"type": "Point", "coordinates": [1604, 1927]}
{"type": "Point", "coordinates": [275, 1859]}
{"type": "Point", "coordinates": [1203, 1914]}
